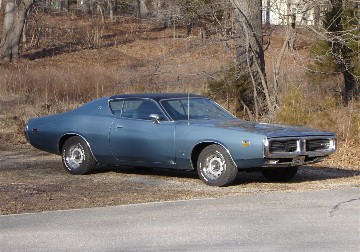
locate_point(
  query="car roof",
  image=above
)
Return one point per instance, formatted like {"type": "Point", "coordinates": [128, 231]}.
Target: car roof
{"type": "Point", "coordinates": [155, 96]}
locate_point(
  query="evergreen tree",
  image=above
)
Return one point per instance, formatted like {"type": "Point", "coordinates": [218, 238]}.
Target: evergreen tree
{"type": "Point", "coordinates": [338, 52]}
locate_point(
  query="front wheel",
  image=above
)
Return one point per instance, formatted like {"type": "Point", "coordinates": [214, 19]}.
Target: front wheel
{"type": "Point", "coordinates": [280, 174]}
{"type": "Point", "coordinates": [215, 166]}
{"type": "Point", "coordinates": [77, 157]}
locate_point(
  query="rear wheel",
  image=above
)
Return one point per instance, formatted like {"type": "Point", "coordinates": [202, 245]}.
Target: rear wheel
{"type": "Point", "coordinates": [280, 174]}
{"type": "Point", "coordinates": [215, 166]}
{"type": "Point", "coordinates": [77, 157]}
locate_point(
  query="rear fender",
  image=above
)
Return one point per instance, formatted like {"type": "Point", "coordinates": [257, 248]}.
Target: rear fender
{"type": "Point", "coordinates": [67, 136]}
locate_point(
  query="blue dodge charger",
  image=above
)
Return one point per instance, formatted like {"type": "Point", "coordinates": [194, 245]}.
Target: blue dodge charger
{"type": "Point", "coordinates": [176, 131]}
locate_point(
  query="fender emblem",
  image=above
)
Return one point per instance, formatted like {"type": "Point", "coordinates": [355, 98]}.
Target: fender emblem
{"type": "Point", "coordinates": [246, 143]}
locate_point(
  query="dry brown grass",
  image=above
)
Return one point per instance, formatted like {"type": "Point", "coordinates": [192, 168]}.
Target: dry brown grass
{"type": "Point", "coordinates": [77, 60]}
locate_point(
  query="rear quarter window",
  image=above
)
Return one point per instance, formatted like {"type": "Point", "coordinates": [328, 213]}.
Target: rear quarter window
{"type": "Point", "coordinates": [116, 107]}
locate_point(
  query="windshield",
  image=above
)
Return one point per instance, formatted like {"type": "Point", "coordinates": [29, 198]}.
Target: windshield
{"type": "Point", "coordinates": [198, 108]}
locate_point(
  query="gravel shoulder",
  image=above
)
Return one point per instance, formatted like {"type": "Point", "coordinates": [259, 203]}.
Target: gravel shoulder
{"type": "Point", "coordinates": [34, 181]}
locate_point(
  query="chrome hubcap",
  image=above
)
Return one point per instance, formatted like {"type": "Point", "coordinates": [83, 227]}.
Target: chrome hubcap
{"type": "Point", "coordinates": [75, 157]}
{"type": "Point", "coordinates": [214, 166]}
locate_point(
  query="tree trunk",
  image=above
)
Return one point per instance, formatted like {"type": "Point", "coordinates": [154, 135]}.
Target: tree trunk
{"type": "Point", "coordinates": [66, 5]}
{"type": "Point", "coordinates": [268, 12]}
{"type": "Point", "coordinates": [250, 52]}
{"type": "Point", "coordinates": [316, 15]}
{"type": "Point", "coordinates": [143, 10]}
{"type": "Point", "coordinates": [351, 89]}
{"type": "Point", "coordinates": [86, 6]}
{"type": "Point", "coordinates": [111, 9]}
{"type": "Point", "coordinates": [14, 20]}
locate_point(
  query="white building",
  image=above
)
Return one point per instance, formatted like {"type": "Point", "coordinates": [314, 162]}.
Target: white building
{"type": "Point", "coordinates": [303, 12]}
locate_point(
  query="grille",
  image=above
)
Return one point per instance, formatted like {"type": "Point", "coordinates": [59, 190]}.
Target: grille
{"type": "Point", "coordinates": [318, 144]}
{"type": "Point", "coordinates": [283, 146]}
{"type": "Point", "coordinates": [302, 146]}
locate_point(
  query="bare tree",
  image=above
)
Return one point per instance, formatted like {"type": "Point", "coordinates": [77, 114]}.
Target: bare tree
{"type": "Point", "coordinates": [111, 4]}
{"type": "Point", "coordinates": [14, 20]}
{"type": "Point", "coordinates": [250, 52]}
{"type": "Point", "coordinates": [154, 8]}
{"type": "Point", "coordinates": [142, 8]}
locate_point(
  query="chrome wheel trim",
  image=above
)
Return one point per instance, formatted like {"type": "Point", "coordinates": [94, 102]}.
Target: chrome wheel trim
{"type": "Point", "coordinates": [75, 157]}
{"type": "Point", "coordinates": [214, 166]}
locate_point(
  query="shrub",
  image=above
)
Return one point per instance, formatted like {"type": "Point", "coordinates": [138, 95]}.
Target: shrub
{"type": "Point", "coordinates": [232, 88]}
{"type": "Point", "coordinates": [323, 113]}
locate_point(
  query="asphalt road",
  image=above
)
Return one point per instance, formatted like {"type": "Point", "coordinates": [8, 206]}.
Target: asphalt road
{"type": "Point", "coordinates": [300, 221]}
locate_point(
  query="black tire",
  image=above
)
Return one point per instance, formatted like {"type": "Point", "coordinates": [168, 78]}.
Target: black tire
{"type": "Point", "coordinates": [77, 157]}
{"type": "Point", "coordinates": [280, 174]}
{"type": "Point", "coordinates": [216, 167]}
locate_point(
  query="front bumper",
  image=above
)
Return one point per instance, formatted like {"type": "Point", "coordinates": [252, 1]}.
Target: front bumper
{"type": "Point", "coordinates": [292, 151]}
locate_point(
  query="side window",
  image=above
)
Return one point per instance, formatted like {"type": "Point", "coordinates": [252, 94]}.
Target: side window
{"type": "Point", "coordinates": [176, 108]}
{"type": "Point", "coordinates": [145, 109]}
{"type": "Point", "coordinates": [136, 109]}
{"type": "Point", "coordinates": [116, 106]}
{"type": "Point", "coordinates": [129, 108]}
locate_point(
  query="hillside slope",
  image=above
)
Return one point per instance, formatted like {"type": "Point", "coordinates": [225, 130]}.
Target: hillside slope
{"type": "Point", "coordinates": [68, 60]}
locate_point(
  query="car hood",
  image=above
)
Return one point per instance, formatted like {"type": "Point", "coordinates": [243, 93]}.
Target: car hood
{"type": "Point", "coordinates": [269, 130]}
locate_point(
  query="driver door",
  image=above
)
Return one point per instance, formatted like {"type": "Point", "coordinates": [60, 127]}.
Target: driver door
{"type": "Point", "coordinates": [138, 140]}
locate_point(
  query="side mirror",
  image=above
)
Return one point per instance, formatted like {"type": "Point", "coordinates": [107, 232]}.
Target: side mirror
{"type": "Point", "coordinates": [155, 118]}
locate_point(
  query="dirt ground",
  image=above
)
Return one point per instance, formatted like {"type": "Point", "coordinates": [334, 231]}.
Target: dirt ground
{"type": "Point", "coordinates": [34, 181]}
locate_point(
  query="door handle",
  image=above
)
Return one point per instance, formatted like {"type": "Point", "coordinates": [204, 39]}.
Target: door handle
{"type": "Point", "coordinates": [119, 126]}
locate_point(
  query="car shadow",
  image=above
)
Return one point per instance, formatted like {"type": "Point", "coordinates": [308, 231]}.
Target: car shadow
{"type": "Point", "coordinates": [305, 174]}
{"type": "Point", "coordinates": [316, 173]}
{"type": "Point", "coordinates": [148, 171]}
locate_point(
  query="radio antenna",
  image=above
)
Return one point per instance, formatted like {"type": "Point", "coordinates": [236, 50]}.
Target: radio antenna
{"type": "Point", "coordinates": [188, 108]}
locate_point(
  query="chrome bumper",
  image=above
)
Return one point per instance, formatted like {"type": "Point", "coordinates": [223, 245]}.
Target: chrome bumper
{"type": "Point", "coordinates": [292, 151]}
